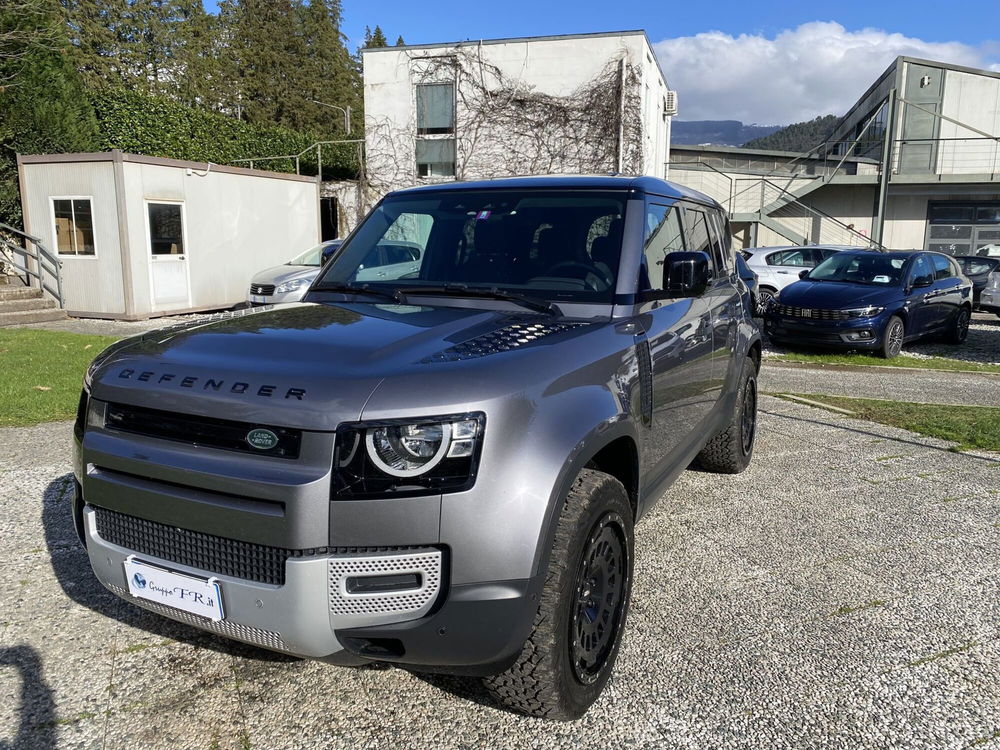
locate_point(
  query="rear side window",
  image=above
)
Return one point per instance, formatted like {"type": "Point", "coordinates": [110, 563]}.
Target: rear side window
{"type": "Point", "coordinates": [703, 235]}
{"type": "Point", "coordinates": [800, 257]}
{"type": "Point", "coordinates": [942, 267]}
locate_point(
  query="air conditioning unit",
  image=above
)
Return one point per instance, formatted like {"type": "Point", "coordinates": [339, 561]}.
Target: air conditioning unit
{"type": "Point", "coordinates": [670, 104]}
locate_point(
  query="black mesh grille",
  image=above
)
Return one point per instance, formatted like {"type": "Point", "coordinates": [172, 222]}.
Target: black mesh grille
{"type": "Point", "coordinates": [501, 340]}
{"type": "Point", "coordinates": [206, 431]}
{"type": "Point", "coordinates": [213, 554]}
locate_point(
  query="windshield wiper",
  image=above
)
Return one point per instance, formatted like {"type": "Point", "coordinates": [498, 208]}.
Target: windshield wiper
{"type": "Point", "coordinates": [395, 295]}
{"type": "Point", "coordinates": [461, 290]}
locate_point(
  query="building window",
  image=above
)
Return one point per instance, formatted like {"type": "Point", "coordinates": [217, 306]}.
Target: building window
{"type": "Point", "coordinates": [435, 118]}
{"type": "Point", "coordinates": [74, 226]}
{"type": "Point", "coordinates": [435, 109]}
{"type": "Point", "coordinates": [963, 228]}
{"type": "Point", "coordinates": [166, 233]}
{"type": "Point", "coordinates": [436, 157]}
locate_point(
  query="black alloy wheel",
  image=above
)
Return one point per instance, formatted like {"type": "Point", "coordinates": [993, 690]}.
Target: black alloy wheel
{"type": "Point", "coordinates": [601, 586]}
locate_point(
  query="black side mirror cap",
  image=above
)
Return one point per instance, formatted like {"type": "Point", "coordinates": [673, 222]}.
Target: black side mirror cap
{"type": "Point", "coordinates": [803, 273]}
{"type": "Point", "coordinates": [686, 274]}
{"type": "Point", "coordinates": [921, 281]}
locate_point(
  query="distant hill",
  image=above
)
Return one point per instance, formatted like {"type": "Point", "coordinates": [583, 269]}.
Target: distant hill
{"type": "Point", "coordinates": [798, 137]}
{"type": "Point", "coordinates": [717, 132]}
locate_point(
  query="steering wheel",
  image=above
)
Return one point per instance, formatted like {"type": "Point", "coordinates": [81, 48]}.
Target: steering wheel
{"type": "Point", "coordinates": [588, 267]}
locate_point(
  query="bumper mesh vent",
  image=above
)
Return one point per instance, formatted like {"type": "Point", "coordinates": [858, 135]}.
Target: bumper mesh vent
{"type": "Point", "coordinates": [209, 553]}
{"type": "Point", "coordinates": [256, 636]}
{"type": "Point", "coordinates": [425, 563]}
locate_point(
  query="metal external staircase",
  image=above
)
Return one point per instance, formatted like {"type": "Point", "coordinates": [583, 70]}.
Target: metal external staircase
{"type": "Point", "coordinates": [30, 280]}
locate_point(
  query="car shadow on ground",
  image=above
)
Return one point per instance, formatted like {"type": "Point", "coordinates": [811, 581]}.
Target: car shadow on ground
{"type": "Point", "coordinates": [37, 712]}
{"type": "Point", "coordinates": [73, 572]}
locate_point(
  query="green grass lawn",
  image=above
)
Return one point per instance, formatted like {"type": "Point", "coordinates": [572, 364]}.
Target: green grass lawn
{"type": "Point", "coordinates": [41, 373]}
{"type": "Point", "coordinates": [838, 358]}
{"type": "Point", "coordinates": [970, 426]}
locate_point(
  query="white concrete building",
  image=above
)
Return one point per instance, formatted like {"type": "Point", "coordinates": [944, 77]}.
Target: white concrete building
{"type": "Point", "coordinates": [935, 126]}
{"type": "Point", "coordinates": [491, 108]}
{"type": "Point", "coordinates": [140, 236]}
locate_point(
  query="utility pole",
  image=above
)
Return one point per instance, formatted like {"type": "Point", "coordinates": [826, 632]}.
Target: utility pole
{"type": "Point", "coordinates": [885, 169]}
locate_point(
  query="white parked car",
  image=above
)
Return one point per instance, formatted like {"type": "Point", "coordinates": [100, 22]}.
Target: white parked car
{"type": "Point", "coordinates": [777, 267]}
{"type": "Point", "coordinates": [290, 281]}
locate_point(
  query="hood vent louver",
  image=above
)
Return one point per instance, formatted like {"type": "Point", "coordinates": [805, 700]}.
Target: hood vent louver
{"type": "Point", "coordinates": [504, 339]}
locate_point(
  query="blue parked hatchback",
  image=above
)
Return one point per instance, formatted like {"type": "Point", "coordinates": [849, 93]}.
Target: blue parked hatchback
{"type": "Point", "coordinates": [873, 301]}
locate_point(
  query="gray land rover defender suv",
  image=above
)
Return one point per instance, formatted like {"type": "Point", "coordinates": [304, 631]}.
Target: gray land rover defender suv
{"type": "Point", "coordinates": [437, 468]}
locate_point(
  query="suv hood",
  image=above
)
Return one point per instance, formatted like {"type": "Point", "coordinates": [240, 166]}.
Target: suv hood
{"type": "Point", "coordinates": [836, 295]}
{"type": "Point", "coordinates": [309, 365]}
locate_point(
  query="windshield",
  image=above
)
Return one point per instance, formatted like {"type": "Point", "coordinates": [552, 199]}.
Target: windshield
{"type": "Point", "coordinates": [549, 244]}
{"type": "Point", "coordinates": [311, 257]}
{"type": "Point", "coordinates": [977, 267]}
{"type": "Point", "coordinates": [884, 269]}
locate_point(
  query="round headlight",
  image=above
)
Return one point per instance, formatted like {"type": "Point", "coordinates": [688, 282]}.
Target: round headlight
{"type": "Point", "coordinates": [408, 450]}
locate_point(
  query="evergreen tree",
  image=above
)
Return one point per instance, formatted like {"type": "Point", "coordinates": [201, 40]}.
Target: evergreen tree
{"type": "Point", "coordinates": [99, 34]}
{"type": "Point", "coordinates": [399, 41]}
{"type": "Point", "coordinates": [43, 105]}
{"type": "Point", "coordinates": [798, 137]}
{"type": "Point", "coordinates": [374, 38]}
{"type": "Point", "coordinates": [328, 70]}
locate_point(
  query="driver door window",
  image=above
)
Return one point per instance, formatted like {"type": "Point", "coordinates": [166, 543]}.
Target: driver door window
{"type": "Point", "coordinates": [663, 236]}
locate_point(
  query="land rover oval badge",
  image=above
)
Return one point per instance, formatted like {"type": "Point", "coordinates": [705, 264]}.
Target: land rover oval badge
{"type": "Point", "coordinates": [262, 439]}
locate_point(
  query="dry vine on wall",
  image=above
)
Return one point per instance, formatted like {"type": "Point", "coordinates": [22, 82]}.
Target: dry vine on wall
{"type": "Point", "coordinates": [505, 127]}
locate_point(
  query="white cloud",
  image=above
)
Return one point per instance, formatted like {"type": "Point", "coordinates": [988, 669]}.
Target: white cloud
{"type": "Point", "coordinates": [816, 69]}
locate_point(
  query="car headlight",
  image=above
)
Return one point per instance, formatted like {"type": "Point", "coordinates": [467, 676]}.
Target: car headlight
{"type": "Point", "coordinates": [291, 285]}
{"type": "Point", "coordinates": [407, 457]}
{"type": "Point", "coordinates": [864, 312]}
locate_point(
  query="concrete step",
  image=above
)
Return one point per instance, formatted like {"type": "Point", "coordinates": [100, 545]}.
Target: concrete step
{"type": "Point", "coordinates": [19, 292]}
{"type": "Point", "coordinates": [30, 316]}
{"type": "Point", "coordinates": [23, 305]}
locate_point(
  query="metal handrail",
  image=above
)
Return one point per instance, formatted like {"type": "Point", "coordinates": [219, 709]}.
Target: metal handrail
{"type": "Point", "coordinates": [46, 262]}
{"type": "Point", "coordinates": [296, 157]}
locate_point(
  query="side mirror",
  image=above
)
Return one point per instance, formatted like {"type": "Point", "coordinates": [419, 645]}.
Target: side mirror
{"type": "Point", "coordinates": [920, 281]}
{"type": "Point", "coordinates": [686, 274]}
{"type": "Point", "coordinates": [327, 254]}
{"type": "Point", "coordinates": [804, 272]}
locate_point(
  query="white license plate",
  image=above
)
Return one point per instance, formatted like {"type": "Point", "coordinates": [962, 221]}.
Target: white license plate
{"type": "Point", "coordinates": [195, 595]}
{"type": "Point", "coordinates": [259, 299]}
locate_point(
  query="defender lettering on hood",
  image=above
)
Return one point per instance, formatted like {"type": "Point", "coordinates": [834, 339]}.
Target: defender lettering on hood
{"type": "Point", "coordinates": [208, 384]}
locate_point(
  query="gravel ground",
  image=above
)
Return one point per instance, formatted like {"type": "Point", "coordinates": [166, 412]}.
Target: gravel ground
{"type": "Point", "coordinates": [893, 383]}
{"type": "Point", "coordinates": [982, 345]}
{"type": "Point", "coordinates": [844, 592]}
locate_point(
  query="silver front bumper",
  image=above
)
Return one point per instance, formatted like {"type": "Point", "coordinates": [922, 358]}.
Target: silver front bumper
{"type": "Point", "coordinates": [299, 617]}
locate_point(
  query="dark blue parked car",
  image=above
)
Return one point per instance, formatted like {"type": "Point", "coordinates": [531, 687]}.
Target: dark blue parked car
{"type": "Point", "coordinates": [873, 301]}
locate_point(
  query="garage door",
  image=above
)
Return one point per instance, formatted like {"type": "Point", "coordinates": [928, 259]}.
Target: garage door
{"type": "Point", "coordinates": [964, 228]}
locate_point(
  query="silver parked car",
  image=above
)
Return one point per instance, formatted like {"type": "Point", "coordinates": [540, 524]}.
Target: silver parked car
{"type": "Point", "coordinates": [777, 267]}
{"type": "Point", "coordinates": [439, 467]}
{"type": "Point", "coordinates": [290, 281]}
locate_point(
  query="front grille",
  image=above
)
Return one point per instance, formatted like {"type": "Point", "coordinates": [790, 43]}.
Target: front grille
{"type": "Point", "coordinates": [201, 431]}
{"type": "Point", "coordinates": [210, 553]}
{"type": "Point", "coordinates": [256, 636]}
{"type": "Point", "coordinates": [262, 289]}
{"type": "Point", "coordinates": [813, 314]}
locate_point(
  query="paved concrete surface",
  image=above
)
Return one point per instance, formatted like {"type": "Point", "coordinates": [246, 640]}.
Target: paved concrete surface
{"type": "Point", "coordinates": [120, 328]}
{"type": "Point", "coordinates": [842, 593]}
{"type": "Point", "coordinates": [896, 383]}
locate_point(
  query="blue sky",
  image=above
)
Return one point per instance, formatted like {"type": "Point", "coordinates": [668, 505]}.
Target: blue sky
{"type": "Point", "coordinates": [451, 20]}
{"type": "Point", "coordinates": [762, 62]}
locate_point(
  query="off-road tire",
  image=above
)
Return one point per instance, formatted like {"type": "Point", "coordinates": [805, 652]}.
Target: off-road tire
{"type": "Point", "coordinates": [543, 681]}
{"type": "Point", "coordinates": [730, 451]}
{"type": "Point", "coordinates": [891, 346]}
{"type": "Point", "coordinates": [958, 331]}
